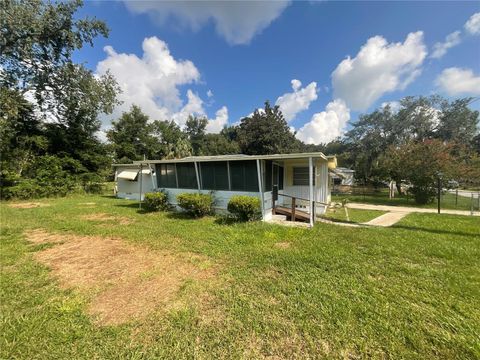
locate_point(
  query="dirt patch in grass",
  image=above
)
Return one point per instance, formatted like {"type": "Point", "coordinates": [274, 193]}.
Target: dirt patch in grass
{"type": "Point", "coordinates": [282, 245]}
{"type": "Point", "coordinates": [27, 205]}
{"type": "Point", "coordinates": [123, 282]}
{"type": "Point", "coordinates": [103, 217]}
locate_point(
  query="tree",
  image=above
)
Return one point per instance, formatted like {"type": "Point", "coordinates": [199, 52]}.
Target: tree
{"type": "Point", "coordinates": [195, 128]}
{"type": "Point", "coordinates": [38, 40]}
{"type": "Point", "coordinates": [65, 99]}
{"type": "Point", "coordinates": [418, 119]}
{"type": "Point", "coordinates": [420, 163]}
{"type": "Point", "coordinates": [266, 132]}
{"type": "Point", "coordinates": [172, 142]}
{"type": "Point", "coordinates": [218, 144]}
{"type": "Point", "coordinates": [457, 121]}
{"type": "Point", "coordinates": [130, 136]}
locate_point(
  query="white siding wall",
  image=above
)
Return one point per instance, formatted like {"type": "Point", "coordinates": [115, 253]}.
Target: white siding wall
{"type": "Point", "coordinates": [127, 189]}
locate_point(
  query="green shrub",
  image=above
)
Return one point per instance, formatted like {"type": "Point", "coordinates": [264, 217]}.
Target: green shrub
{"type": "Point", "coordinates": [245, 208]}
{"type": "Point", "coordinates": [197, 205]}
{"type": "Point", "coordinates": [155, 201]}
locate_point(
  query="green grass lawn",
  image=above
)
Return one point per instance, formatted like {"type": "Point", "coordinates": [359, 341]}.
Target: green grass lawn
{"type": "Point", "coordinates": [448, 200]}
{"type": "Point", "coordinates": [411, 291]}
{"type": "Point", "coordinates": [355, 215]}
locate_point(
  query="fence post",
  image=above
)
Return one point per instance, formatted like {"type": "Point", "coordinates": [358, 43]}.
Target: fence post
{"type": "Point", "coordinates": [438, 193]}
{"type": "Point", "coordinates": [456, 197]}
{"type": "Point", "coordinates": [471, 206]}
{"type": "Point", "coordinates": [293, 209]}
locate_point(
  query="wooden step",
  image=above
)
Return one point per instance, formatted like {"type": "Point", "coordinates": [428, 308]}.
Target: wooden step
{"type": "Point", "coordinates": [299, 214]}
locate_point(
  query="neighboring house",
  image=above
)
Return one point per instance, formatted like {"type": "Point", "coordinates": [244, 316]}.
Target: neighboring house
{"type": "Point", "coordinates": [299, 178]}
{"type": "Point", "coordinates": [343, 176]}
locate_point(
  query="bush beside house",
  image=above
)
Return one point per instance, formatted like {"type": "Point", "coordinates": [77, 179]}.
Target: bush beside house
{"type": "Point", "coordinates": [156, 201]}
{"type": "Point", "coordinates": [245, 208]}
{"type": "Point", "coordinates": [197, 205]}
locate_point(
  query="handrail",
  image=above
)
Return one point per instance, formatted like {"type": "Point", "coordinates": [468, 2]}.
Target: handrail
{"type": "Point", "coordinates": [299, 198]}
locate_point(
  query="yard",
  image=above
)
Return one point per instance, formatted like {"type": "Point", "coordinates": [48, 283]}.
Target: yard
{"type": "Point", "coordinates": [98, 279]}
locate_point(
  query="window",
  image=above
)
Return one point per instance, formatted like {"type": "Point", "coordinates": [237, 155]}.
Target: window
{"type": "Point", "coordinates": [243, 176]}
{"type": "Point", "coordinates": [300, 176]}
{"type": "Point", "coordinates": [268, 176]}
{"type": "Point", "coordinates": [280, 178]}
{"type": "Point", "coordinates": [214, 175]}
{"type": "Point", "coordinates": [187, 177]}
{"type": "Point", "coordinates": [166, 176]}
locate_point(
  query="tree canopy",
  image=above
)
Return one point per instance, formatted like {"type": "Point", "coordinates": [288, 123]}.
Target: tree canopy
{"type": "Point", "coordinates": [266, 132]}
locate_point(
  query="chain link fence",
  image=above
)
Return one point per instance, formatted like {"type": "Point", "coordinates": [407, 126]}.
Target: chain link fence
{"type": "Point", "coordinates": [452, 199]}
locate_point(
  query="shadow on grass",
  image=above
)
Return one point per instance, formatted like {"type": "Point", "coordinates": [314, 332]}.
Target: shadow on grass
{"type": "Point", "coordinates": [435, 231]}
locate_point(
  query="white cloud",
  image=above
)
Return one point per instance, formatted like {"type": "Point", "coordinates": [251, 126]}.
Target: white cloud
{"type": "Point", "coordinates": [378, 68]}
{"type": "Point", "coordinates": [194, 106]}
{"type": "Point", "coordinates": [221, 119]}
{"type": "Point", "coordinates": [440, 48]}
{"type": "Point", "coordinates": [472, 26]}
{"type": "Point", "coordinates": [298, 100]}
{"type": "Point", "coordinates": [152, 82]}
{"type": "Point", "coordinates": [457, 81]}
{"type": "Point", "coordinates": [236, 21]}
{"type": "Point", "coordinates": [326, 125]}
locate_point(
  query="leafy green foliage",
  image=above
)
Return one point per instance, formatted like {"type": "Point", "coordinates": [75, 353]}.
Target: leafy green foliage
{"type": "Point", "coordinates": [245, 208]}
{"type": "Point", "coordinates": [266, 132]}
{"type": "Point", "coordinates": [156, 201]}
{"type": "Point", "coordinates": [195, 204]}
{"type": "Point", "coordinates": [47, 176]}
{"type": "Point", "coordinates": [418, 119]}
{"type": "Point", "coordinates": [130, 136]}
{"type": "Point", "coordinates": [56, 131]}
{"type": "Point", "coordinates": [420, 164]}
{"type": "Point", "coordinates": [38, 40]}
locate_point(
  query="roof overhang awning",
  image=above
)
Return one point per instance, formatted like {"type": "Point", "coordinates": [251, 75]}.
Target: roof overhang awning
{"type": "Point", "coordinates": [333, 173]}
{"type": "Point", "coordinates": [128, 174]}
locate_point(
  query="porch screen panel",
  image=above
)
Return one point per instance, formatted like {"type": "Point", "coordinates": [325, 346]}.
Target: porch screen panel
{"type": "Point", "coordinates": [268, 176]}
{"type": "Point", "coordinates": [243, 176]}
{"type": "Point", "coordinates": [214, 175]}
{"type": "Point", "coordinates": [187, 178]}
{"type": "Point", "coordinates": [166, 176]}
{"type": "Point", "coordinates": [280, 178]}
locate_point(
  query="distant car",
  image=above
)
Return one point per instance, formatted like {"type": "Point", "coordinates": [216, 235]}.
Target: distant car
{"type": "Point", "coordinates": [452, 184]}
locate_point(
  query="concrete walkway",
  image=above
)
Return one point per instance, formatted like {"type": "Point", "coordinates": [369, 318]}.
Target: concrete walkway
{"type": "Point", "coordinates": [387, 219]}
{"type": "Point", "coordinates": [405, 209]}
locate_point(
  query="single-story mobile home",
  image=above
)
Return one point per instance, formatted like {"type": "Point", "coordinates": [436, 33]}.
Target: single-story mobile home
{"type": "Point", "coordinates": [294, 185]}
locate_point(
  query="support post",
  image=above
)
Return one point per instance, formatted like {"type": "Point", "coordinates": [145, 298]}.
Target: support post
{"type": "Point", "coordinates": [310, 183]}
{"type": "Point", "coordinates": [141, 183]}
{"type": "Point", "coordinates": [197, 175]}
{"type": "Point", "coordinates": [293, 208]}
{"type": "Point", "coordinates": [260, 188]}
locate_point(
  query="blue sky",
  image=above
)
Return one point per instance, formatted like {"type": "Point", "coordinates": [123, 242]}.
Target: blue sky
{"type": "Point", "coordinates": [223, 60]}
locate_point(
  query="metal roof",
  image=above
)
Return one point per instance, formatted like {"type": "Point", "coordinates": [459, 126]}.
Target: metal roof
{"type": "Point", "coordinates": [316, 155]}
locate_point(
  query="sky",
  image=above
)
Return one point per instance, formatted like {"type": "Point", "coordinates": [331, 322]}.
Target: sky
{"type": "Point", "coordinates": [323, 62]}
